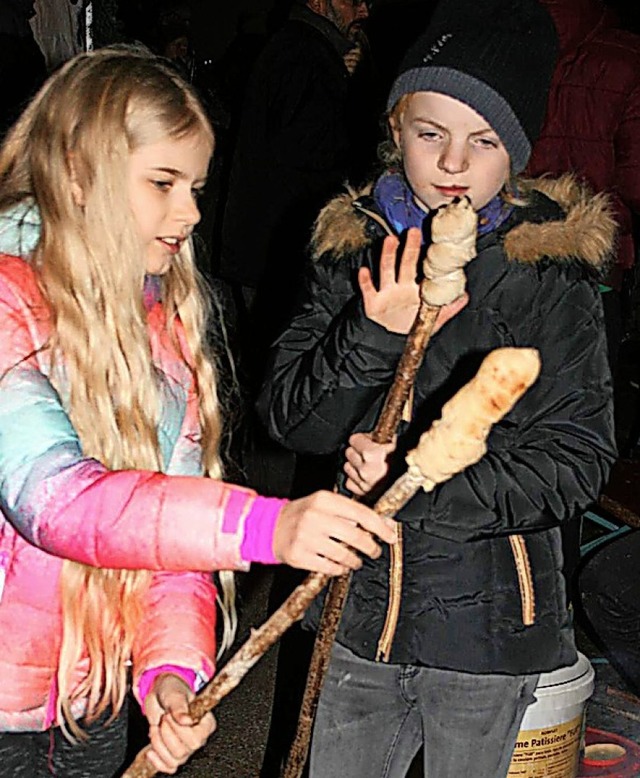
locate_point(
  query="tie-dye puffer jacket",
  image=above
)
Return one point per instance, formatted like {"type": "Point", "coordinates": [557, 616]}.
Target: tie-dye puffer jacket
{"type": "Point", "coordinates": [58, 504]}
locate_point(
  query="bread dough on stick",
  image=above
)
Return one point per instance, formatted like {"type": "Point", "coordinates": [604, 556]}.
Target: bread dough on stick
{"type": "Point", "coordinates": [503, 378]}
{"type": "Point", "coordinates": [459, 438]}
{"type": "Point", "coordinates": [453, 235]}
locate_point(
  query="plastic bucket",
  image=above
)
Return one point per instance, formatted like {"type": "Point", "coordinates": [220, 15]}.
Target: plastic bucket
{"type": "Point", "coordinates": [552, 730]}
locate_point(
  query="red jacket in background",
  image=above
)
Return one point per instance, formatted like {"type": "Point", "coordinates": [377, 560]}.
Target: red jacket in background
{"type": "Point", "coordinates": [592, 127]}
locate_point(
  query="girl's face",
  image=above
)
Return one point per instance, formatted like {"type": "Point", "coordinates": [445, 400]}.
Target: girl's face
{"type": "Point", "coordinates": [448, 151]}
{"type": "Point", "coordinates": [165, 179]}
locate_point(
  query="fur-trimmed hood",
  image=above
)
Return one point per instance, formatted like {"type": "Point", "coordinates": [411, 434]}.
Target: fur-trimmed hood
{"type": "Point", "coordinates": [586, 233]}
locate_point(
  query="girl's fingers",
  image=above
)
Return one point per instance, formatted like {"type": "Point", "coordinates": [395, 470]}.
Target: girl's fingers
{"type": "Point", "coordinates": [388, 262]}
{"type": "Point", "coordinates": [340, 554]}
{"type": "Point", "coordinates": [173, 743]}
{"type": "Point", "coordinates": [354, 488]}
{"type": "Point", "coordinates": [447, 312]}
{"type": "Point", "coordinates": [354, 482]}
{"type": "Point", "coordinates": [367, 288]}
{"type": "Point", "coordinates": [353, 456]}
{"type": "Point", "coordinates": [160, 755]}
{"type": "Point", "coordinates": [367, 519]}
{"type": "Point", "coordinates": [408, 270]}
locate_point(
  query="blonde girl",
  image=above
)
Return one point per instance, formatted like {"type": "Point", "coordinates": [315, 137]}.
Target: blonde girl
{"type": "Point", "coordinates": [113, 516]}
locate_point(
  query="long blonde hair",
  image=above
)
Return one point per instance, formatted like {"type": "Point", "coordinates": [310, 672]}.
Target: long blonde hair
{"type": "Point", "coordinates": [77, 135]}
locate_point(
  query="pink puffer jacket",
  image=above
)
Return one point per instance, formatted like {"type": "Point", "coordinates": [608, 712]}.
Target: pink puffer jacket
{"type": "Point", "coordinates": [57, 503]}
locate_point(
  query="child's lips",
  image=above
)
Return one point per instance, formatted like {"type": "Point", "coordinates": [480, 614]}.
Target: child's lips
{"type": "Point", "coordinates": [171, 244]}
{"type": "Point", "coordinates": [452, 191]}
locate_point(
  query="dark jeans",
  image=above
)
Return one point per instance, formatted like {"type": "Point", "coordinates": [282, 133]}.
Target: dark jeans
{"type": "Point", "coordinates": [610, 593]}
{"type": "Point", "coordinates": [373, 718]}
{"type": "Point", "coordinates": [46, 754]}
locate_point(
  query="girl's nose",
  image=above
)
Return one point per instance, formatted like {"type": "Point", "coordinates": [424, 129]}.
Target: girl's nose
{"type": "Point", "coordinates": [188, 211]}
{"type": "Point", "coordinates": [453, 158]}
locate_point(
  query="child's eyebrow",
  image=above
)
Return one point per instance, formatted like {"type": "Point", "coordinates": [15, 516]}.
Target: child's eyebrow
{"type": "Point", "coordinates": [433, 123]}
{"type": "Point", "coordinates": [172, 171]}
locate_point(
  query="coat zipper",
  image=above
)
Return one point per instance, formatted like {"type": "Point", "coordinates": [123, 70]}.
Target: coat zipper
{"type": "Point", "coordinates": [395, 596]}
{"type": "Point", "coordinates": [525, 586]}
{"type": "Point", "coordinates": [525, 579]}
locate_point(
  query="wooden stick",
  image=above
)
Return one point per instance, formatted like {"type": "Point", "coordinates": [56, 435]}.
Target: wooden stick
{"type": "Point", "coordinates": [453, 233]}
{"type": "Point", "coordinates": [410, 361]}
{"type": "Point", "coordinates": [338, 589]}
{"type": "Point", "coordinates": [466, 420]}
{"type": "Point", "coordinates": [264, 637]}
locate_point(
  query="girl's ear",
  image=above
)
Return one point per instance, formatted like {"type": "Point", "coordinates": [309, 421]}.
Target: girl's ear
{"type": "Point", "coordinates": [318, 6]}
{"type": "Point", "coordinates": [396, 133]}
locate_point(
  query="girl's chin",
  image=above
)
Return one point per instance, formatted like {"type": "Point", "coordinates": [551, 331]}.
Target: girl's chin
{"type": "Point", "coordinates": [158, 267]}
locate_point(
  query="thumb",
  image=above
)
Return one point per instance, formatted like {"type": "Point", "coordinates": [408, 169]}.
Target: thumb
{"type": "Point", "coordinates": [174, 696]}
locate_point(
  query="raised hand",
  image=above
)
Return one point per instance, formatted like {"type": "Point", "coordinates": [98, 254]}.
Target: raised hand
{"type": "Point", "coordinates": [394, 304]}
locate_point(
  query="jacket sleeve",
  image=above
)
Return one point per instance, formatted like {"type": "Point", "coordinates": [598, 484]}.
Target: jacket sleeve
{"type": "Point", "coordinates": [550, 456]}
{"type": "Point", "coordinates": [329, 366]}
{"type": "Point", "coordinates": [73, 507]}
{"type": "Point", "coordinates": [178, 626]}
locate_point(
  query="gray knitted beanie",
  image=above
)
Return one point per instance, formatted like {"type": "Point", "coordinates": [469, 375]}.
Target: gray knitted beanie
{"type": "Point", "coordinates": [497, 56]}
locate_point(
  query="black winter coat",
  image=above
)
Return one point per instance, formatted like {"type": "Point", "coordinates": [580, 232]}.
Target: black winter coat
{"type": "Point", "coordinates": [532, 284]}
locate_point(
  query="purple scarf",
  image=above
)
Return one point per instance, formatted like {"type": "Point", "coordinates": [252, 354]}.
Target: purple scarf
{"type": "Point", "coordinates": [152, 291]}
{"type": "Point", "coordinates": [397, 202]}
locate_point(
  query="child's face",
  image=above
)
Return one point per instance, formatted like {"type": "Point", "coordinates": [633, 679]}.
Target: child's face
{"type": "Point", "coordinates": [449, 150]}
{"type": "Point", "coordinates": [165, 179]}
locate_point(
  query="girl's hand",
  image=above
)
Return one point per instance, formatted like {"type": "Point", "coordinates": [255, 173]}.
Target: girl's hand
{"type": "Point", "coordinates": [395, 304]}
{"type": "Point", "coordinates": [367, 462]}
{"type": "Point", "coordinates": [324, 531]}
{"type": "Point", "coordinates": [173, 735]}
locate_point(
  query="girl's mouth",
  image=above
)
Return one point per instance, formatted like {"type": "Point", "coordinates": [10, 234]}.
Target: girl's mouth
{"type": "Point", "coordinates": [452, 191]}
{"type": "Point", "coordinates": [171, 244]}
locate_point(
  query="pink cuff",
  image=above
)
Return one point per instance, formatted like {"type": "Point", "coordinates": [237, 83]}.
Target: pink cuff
{"type": "Point", "coordinates": [259, 526]}
{"type": "Point", "coordinates": [149, 676]}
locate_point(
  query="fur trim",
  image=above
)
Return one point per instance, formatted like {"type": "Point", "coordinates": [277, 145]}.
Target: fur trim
{"type": "Point", "coordinates": [587, 233]}
{"type": "Point", "coordinates": [339, 228]}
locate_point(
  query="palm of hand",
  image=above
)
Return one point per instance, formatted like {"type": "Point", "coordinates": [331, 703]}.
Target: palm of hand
{"type": "Point", "coordinates": [395, 302]}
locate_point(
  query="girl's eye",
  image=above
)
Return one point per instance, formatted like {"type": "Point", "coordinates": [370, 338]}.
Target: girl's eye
{"type": "Point", "coordinates": [197, 192]}
{"type": "Point", "coordinates": [163, 186]}
{"type": "Point", "coordinates": [429, 135]}
{"type": "Point", "coordinates": [487, 143]}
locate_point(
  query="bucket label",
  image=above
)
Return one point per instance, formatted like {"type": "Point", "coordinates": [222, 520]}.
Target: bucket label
{"type": "Point", "coordinates": [552, 752]}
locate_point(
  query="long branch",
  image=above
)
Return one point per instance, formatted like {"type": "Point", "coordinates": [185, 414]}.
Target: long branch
{"type": "Point", "coordinates": [338, 588]}
{"type": "Point", "coordinates": [261, 639]}
{"type": "Point", "coordinates": [453, 232]}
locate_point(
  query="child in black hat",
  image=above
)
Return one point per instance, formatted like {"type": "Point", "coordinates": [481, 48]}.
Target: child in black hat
{"type": "Point", "coordinates": [473, 635]}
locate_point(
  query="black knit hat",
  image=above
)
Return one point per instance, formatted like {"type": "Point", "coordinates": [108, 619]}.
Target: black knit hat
{"type": "Point", "coordinates": [497, 56]}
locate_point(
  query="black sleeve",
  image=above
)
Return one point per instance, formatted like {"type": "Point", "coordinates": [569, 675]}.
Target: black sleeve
{"type": "Point", "coordinates": [549, 458]}
{"type": "Point", "coordinates": [329, 367]}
